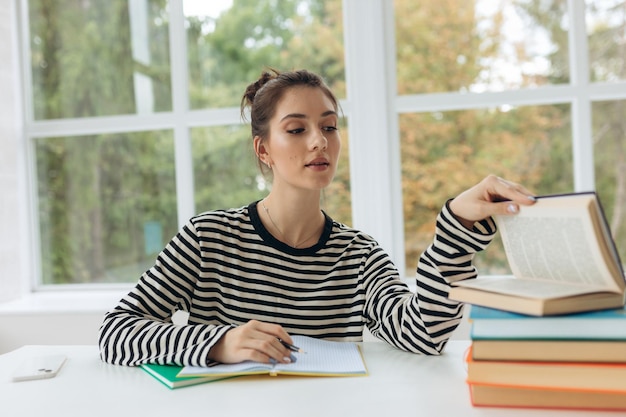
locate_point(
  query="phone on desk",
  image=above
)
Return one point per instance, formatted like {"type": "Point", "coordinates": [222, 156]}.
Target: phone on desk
{"type": "Point", "coordinates": [39, 367]}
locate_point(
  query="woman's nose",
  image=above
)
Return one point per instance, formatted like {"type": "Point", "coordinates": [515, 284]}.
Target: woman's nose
{"type": "Point", "coordinates": [320, 141]}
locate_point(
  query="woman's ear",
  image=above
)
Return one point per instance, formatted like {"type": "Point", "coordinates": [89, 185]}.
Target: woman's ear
{"type": "Point", "coordinates": [261, 151]}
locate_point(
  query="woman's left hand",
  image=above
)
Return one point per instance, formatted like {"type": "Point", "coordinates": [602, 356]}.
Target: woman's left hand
{"type": "Point", "coordinates": [493, 195]}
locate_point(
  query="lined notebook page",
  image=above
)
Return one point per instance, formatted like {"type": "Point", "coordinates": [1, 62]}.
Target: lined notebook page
{"type": "Point", "coordinates": [325, 357]}
{"type": "Point", "coordinates": [321, 357]}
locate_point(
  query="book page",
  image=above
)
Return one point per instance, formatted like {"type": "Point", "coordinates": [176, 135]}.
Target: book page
{"type": "Point", "coordinates": [555, 243]}
{"type": "Point", "coordinates": [530, 288]}
{"type": "Point", "coordinates": [324, 357]}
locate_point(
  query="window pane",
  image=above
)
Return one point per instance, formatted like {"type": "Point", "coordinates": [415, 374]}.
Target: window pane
{"type": "Point", "coordinates": [609, 150]}
{"type": "Point", "coordinates": [480, 45]}
{"type": "Point", "coordinates": [226, 173]}
{"type": "Point", "coordinates": [99, 58]}
{"type": "Point", "coordinates": [606, 20]}
{"type": "Point", "coordinates": [107, 205]}
{"type": "Point", "coordinates": [224, 167]}
{"type": "Point", "coordinates": [446, 153]}
{"type": "Point", "coordinates": [230, 43]}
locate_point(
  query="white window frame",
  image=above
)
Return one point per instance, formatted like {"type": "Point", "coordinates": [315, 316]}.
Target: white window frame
{"type": "Point", "coordinates": [372, 107]}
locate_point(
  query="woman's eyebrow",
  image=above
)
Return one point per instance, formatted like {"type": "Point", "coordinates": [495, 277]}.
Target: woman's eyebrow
{"type": "Point", "coordinates": [304, 116]}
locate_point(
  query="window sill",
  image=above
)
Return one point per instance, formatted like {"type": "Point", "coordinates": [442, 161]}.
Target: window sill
{"type": "Point", "coordinates": [63, 302]}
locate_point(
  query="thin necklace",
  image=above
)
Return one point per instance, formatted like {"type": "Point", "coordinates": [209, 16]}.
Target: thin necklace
{"type": "Point", "coordinates": [281, 232]}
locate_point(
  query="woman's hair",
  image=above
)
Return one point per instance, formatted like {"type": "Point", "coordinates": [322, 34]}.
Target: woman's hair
{"type": "Point", "coordinates": [263, 95]}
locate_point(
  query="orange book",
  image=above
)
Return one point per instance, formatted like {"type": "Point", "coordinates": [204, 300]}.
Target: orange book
{"type": "Point", "coordinates": [506, 396]}
{"type": "Point", "coordinates": [587, 376]}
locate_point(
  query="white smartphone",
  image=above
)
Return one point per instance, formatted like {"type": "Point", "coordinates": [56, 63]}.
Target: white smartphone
{"type": "Point", "coordinates": [39, 367]}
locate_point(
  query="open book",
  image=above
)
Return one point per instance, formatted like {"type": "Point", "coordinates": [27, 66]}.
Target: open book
{"type": "Point", "coordinates": [320, 358]}
{"type": "Point", "coordinates": [562, 256]}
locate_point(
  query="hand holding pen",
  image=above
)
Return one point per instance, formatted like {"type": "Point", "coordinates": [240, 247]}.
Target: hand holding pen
{"type": "Point", "coordinates": [291, 347]}
{"type": "Point", "coordinates": [255, 341]}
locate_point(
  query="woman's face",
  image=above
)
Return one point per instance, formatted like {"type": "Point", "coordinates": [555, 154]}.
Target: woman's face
{"type": "Point", "coordinates": [303, 144]}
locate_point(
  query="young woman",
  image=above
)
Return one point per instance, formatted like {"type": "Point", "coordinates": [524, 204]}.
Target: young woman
{"type": "Point", "coordinates": [251, 276]}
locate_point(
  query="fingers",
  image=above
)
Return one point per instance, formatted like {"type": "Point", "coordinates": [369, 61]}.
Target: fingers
{"type": "Point", "coordinates": [508, 190]}
{"type": "Point", "coordinates": [493, 195]}
{"type": "Point", "coordinates": [266, 351]}
{"type": "Point", "coordinates": [256, 341]}
{"type": "Point", "coordinates": [264, 340]}
{"type": "Point", "coordinates": [505, 197]}
{"type": "Point", "coordinates": [505, 207]}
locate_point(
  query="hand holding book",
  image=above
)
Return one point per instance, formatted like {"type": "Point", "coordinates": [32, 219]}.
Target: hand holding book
{"type": "Point", "coordinates": [563, 260]}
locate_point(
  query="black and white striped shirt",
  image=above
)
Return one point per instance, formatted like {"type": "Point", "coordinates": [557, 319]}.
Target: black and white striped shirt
{"type": "Point", "coordinates": [224, 268]}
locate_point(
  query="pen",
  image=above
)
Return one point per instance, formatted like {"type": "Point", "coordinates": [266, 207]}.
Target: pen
{"type": "Point", "coordinates": [291, 347]}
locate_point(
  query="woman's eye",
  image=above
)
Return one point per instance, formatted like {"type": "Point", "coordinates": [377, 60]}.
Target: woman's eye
{"type": "Point", "coordinates": [330, 128]}
{"type": "Point", "coordinates": [295, 131]}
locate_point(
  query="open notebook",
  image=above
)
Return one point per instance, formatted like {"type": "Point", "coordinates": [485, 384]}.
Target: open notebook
{"type": "Point", "coordinates": [321, 358]}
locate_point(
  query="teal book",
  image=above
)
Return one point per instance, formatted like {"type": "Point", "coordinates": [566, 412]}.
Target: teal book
{"type": "Point", "coordinates": [167, 375]}
{"type": "Point", "coordinates": [489, 323]}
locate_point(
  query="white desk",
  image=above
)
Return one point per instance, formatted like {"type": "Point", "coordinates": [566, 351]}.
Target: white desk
{"type": "Point", "coordinates": [400, 384]}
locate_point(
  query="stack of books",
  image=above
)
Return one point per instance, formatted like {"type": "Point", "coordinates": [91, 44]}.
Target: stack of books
{"type": "Point", "coordinates": [575, 361]}
{"type": "Point", "coordinates": [553, 334]}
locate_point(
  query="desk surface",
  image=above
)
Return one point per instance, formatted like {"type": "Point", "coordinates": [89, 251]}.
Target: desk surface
{"type": "Point", "coordinates": [399, 384]}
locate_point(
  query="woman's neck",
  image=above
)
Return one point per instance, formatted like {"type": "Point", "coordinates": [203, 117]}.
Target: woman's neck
{"type": "Point", "coordinates": [295, 222]}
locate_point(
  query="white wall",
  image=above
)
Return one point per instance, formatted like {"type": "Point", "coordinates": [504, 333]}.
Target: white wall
{"type": "Point", "coordinates": [54, 318]}
{"type": "Point", "coordinates": [17, 330]}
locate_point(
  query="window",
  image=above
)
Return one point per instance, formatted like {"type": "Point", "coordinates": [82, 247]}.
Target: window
{"type": "Point", "coordinates": [106, 203]}
{"type": "Point", "coordinates": [132, 121]}
{"type": "Point", "coordinates": [508, 87]}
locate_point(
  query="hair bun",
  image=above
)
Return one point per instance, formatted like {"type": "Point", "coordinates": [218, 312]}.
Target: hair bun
{"type": "Point", "coordinates": [253, 88]}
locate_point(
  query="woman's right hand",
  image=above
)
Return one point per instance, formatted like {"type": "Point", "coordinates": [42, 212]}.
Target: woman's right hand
{"type": "Point", "coordinates": [493, 195]}
{"type": "Point", "coordinates": [255, 341]}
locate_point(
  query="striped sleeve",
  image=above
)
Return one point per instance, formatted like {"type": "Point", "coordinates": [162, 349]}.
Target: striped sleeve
{"type": "Point", "coordinates": [139, 329]}
{"type": "Point", "coordinates": [423, 322]}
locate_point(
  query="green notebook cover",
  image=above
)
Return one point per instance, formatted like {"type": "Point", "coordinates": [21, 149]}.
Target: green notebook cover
{"type": "Point", "coordinates": [166, 374]}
